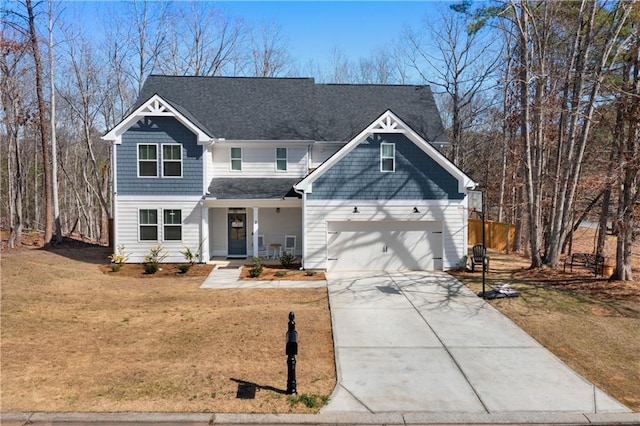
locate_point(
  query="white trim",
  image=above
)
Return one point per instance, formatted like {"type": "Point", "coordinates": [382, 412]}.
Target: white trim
{"type": "Point", "coordinates": [157, 225]}
{"type": "Point", "coordinates": [231, 158]}
{"type": "Point", "coordinates": [164, 239]}
{"type": "Point", "coordinates": [161, 198]}
{"type": "Point", "coordinates": [382, 157]}
{"type": "Point", "coordinates": [388, 122]}
{"type": "Point", "coordinates": [286, 159]}
{"type": "Point", "coordinates": [157, 160]}
{"type": "Point", "coordinates": [154, 107]}
{"type": "Point", "coordinates": [162, 160]}
{"type": "Point", "coordinates": [382, 203]}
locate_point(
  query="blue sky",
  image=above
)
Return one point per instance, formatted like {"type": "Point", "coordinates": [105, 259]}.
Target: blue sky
{"type": "Point", "coordinates": [314, 28]}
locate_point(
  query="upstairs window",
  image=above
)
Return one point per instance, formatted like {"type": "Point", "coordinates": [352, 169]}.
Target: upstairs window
{"type": "Point", "coordinates": [387, 157]}
{"type": "Point", "coordinates": [147, 160]}
{"type": "Point", "coordinates": [236, 159]}
{"type": "Point", "coordinates": [281, 159]}
{"type": "Point", "coordinates": [148, 224]}
{"type": "Point", "coordinates": [172, 220]}
{"type": "Point", "coordinates": [172, 160]}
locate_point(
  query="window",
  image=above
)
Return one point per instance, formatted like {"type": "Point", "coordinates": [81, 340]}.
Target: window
{"type": "Point", "coordinates": [172, 220]}
{"type": "Point", "coordinates": [147, 160]}
{"type": "Point", "coordinates": [281, 159]}
{"type": "Point", "coordinates": [236, 158]}
{"type": "Point", "coordinates": [171, 160]}
{"type": "Point", "coordinates": [387, 157]}
{"type": "Point", "coordinates": [148, 223]}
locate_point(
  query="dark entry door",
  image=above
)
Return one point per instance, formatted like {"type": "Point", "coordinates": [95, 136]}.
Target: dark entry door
{"type": "Point", "coordinates": [237, 234]}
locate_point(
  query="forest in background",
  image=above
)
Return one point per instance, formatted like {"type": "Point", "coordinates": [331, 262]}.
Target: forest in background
{"type": "Point", "coordinates": [541, 101]}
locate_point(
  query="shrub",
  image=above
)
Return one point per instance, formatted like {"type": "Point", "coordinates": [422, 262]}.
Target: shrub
{"type": "Point", "coordinates": [280, 273]}
{"type": "Point", "coordinates": [191, 256]}
{"type": "Point", "coordinates": [286, 260]}
{"type": "Point", "coordinates": [119, 258]}
{"type": "Point", "coordinates": [256, 269]}
{"type": "Point", "coordinates": [184, 268]}
{"type": "Point", "coordinates": [309, 272]}
{"type": "Point", "coordinates": [153, 259]}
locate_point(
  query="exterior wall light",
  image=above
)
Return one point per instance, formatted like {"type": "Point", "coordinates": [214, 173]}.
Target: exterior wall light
{"type": "Point", "coordinates": [355, 210]}
{"type": "Point", "coordinates": [415, 210]}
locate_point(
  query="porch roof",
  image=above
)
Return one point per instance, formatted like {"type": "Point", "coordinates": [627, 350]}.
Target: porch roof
{"type": "Point", "coordinates": [252, 188]}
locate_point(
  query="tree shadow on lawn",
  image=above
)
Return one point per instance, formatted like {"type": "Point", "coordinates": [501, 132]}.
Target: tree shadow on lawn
{"type": "Point", "coordinates": [79, 250]}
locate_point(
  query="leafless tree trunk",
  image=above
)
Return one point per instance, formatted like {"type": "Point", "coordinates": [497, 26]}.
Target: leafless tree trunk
{"type": "Point", "coordinates": [42, 125]}
{"type": "Point", "coordinates": [14, 120]}
{"type": "Point", "coordinates": [54, 145]}
{"type": "Point", "coordinates": [268, 51]}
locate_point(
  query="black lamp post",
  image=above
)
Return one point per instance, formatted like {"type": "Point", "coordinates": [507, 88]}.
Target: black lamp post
{"type": "Point", "coordinates": [291, 352]}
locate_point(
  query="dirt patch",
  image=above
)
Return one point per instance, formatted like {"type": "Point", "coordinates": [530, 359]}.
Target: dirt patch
{"type": "Point", "coordinates": [77, 338]}
{"type": "Point", "coordinates": [279, 273]}
{"type": "Point", "coordinates": [589, 322]}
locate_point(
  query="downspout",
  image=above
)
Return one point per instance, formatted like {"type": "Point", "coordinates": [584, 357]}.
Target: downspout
{"type": "Point", "coordinates": [304, 226]}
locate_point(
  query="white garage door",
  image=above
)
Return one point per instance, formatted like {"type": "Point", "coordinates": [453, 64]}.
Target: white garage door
{"type": "Point", "coordinates": [384, 246]}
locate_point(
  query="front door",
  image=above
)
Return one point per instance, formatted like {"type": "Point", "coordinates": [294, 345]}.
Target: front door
{"type": "Point", "coordinates": [237, 234]}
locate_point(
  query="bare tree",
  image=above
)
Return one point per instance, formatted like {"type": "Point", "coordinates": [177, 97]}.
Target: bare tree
{"type": "Point", "coordinates": [15, 117]}
{"type": "Point", "coordinates": [461, 64]}
{"type": "Point", "coordinates": [202, 41]}
{"type": "Point", "coordinates": [268, 51]}
{"type": "Point", "coordinates": [54, 149]}
{"type": "Point", "coordinates": [42, 122]}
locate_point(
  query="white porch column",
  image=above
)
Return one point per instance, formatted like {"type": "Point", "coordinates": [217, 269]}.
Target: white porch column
{"type": "Point", "coordinates": [256, 228]}
{"type": "Point", "coordinates": [204, 233]}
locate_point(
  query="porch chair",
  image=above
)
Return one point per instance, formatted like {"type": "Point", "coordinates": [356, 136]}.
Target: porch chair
{"type": "Point", "coordinates": [290, 244]}
{"type": "Point", "coordinates": [479, 257]}
{"type": "Point", "coordinates": [263, 250]}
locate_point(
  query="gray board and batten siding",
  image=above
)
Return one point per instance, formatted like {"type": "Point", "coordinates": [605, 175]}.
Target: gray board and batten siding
{"type": "Point", "coordinates": [159, 130]}
{"type": "Point", "coordinates": [357, 176]}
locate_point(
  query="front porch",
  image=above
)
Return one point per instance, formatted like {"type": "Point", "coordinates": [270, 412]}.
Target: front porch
{"type": "Point", "coordinates": [243, 229]}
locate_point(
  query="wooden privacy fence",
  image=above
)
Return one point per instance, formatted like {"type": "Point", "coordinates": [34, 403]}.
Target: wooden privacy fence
{"type": "Point", "coordinates": [498, 235]}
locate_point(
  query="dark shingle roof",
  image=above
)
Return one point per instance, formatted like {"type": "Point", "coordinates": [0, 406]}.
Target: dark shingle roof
{"type": "Point", "coordinates": [252, 188]}
{"type": "Point", "coordinates": [248, 108]}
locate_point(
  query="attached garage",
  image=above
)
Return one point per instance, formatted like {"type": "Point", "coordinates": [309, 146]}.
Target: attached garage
{"type": "Point", "coordinates": [384, 245]}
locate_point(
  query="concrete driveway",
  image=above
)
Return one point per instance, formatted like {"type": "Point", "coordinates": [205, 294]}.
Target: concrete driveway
{"type": "Point", "coordinates": [422, 342]}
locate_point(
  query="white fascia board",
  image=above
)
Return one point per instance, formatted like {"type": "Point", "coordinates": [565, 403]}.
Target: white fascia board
{"type": "Point", "coordinates": [388, 122]}
{"type": "Point", "coordinates": [154, 107]}
{"type": "Point", "coordinates": [251, 202]}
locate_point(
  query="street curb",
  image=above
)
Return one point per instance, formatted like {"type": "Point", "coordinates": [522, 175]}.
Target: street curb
{"type": "Point", "coordinates": [343, 418]}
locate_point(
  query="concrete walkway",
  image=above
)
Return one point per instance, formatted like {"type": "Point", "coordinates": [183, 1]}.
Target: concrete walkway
{"type": "Point", "coordinates": [422, 342]}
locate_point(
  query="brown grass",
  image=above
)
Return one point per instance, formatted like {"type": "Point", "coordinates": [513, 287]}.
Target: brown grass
{"type": "Point", "coordinates": [590, 323]}
{"type": "Point", "coordinates": [76, 337]}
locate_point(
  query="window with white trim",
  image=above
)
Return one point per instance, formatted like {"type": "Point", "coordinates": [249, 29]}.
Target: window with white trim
{"type": "Point", "coordinates": [147, 160]}
{"type": "Point", "coordinates": [387, 157]}
{"type": "Point", "coordinates": [281, 159]}
{"type": "Point", "coordinates": [172, 160]}
{"type": "Point", "coordinates": [172, 225]}
{"type": "Point", "coordinates": [148, 224]}
{"type": "Point", "coordinates": [236, 159]}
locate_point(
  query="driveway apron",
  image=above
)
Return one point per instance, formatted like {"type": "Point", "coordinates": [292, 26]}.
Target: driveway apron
{"type": "Point", "coordinates": [422, 342]}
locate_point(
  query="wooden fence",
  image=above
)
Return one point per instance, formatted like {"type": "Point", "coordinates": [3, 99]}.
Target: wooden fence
{"type": "Point", "coordinates": [498, 235]}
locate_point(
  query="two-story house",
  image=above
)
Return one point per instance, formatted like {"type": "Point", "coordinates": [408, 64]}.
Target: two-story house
{"type": "Point", "coordinates": [346, 177]}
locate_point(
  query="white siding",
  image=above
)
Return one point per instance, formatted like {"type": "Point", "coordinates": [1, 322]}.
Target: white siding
{"type": "Point", "coordinates": [127, 229]}
{"type": "Point", "coordinates": [218, 232]}
{"type": "Point", "coordinates": [450, 213]}
{"type": "Point", "coordinates": [258, 160]}
{"type": "Point", "coordinates": [321, 152]}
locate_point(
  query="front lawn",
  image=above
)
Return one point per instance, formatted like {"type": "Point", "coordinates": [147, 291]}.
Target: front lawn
{"type": "Point", "coordinates": [76, 337]}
